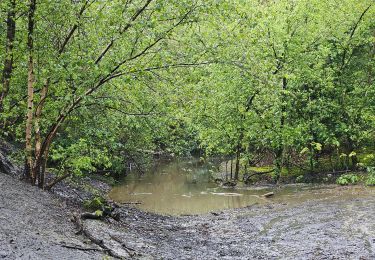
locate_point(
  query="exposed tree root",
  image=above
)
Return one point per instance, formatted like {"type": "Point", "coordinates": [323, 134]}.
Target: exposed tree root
{"type": "Point", "coordinates": [130, 251]}
{"type": "Point", "coordinates": [81, 248]}
{"type": "Point", "coordinates": [82, 230]}
{"type": "Point", "coordinates": [89, 215]}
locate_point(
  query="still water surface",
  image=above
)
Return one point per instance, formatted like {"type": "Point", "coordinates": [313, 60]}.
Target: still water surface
{"type": "Point", "coordinates": [185, 187]}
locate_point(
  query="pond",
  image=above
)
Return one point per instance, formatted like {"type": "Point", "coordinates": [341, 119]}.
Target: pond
{"type": "Point", "coordinates": [186, 187]}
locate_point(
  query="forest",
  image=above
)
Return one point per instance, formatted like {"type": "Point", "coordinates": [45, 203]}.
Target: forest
{"type": "Point", "coordinates": [89, 86]}
{"type": "Point", "coordinates": [187, 129]}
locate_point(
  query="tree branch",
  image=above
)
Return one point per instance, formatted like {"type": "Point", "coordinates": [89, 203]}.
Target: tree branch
{"type": "Point", "coordinates": [343, 63]}
{"type": "Point", "coordinates": [122, 31]}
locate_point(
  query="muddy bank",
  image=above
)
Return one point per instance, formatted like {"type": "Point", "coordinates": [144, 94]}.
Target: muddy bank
{"type": "Point", "coordinates": [35, 225]}
{"type": "Point", "coordinates": [322, 229]}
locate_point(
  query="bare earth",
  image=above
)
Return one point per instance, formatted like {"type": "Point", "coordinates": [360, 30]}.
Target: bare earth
{"type": "Point", "coordinates": [35, 225]}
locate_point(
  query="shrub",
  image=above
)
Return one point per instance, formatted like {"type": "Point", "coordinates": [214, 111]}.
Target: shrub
{"type": "Point", "coordinates": [369, 160]}
{"type": "Point", "coordinates": [300, 178]}
{"type": "Point", "coordinates": [370, 181]}
{"type": "Point", "coordinates": [347, 179]}
{"type": "Point", "coordinates": [95, 204]}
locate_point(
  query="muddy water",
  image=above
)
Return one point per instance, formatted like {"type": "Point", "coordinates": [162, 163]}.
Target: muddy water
{"type": "Point", "coordinates": [178, 188]}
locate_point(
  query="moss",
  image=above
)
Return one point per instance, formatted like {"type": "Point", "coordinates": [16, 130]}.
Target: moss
{"type": "Point", "coordinates": [261, 169]}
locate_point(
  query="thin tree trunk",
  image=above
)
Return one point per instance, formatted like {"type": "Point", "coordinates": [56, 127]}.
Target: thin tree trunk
{"type": "Point", "coordinates": [249, 102]}
{"type": "Point", "coordinates": [280, 149]}
{"type": "Point", "coordinates": [42, 148]}
{"type": "Point", "coordinates": [351, 153]}
{"type": "Point", "coordinates": [226, 170]}
{"type": "Point", "coordinates": [43, 170]}
{"type": "Point", "coordinates": [30, 94]}
{"type": "Point", "coordinates": [57, 180]}
{"type": "Point", "coordinates": [238, 155]}
{"type": "Point", "coordinates": [38, 139]}
{"type": "Point", "coordinates": [8, 61]}
{"type": "Point", "coordinates": [231, 169]}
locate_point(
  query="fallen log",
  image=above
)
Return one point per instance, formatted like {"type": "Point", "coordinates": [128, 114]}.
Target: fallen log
{"type": "Point", "coordinates": [90, 215]}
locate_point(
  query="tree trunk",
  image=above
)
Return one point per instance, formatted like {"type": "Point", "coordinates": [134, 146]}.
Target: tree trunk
{"type": "Point", "coordinates": [351, 153]}
{"type": "Point", "coordinates": [57, 180]}
{"type": "Point", "coordinates": [238, 155]}
{"type": "Point", "coordinates": [30, 94]}
{"type": "Point", "coordinates": [8, 61]}
{"type": "Point", "coordinates": [38, 139]}
{"type": "Point", "coordinates": [280, 150]}
{"type": "Point", "coordinates": [231, 169]}
{"type": "Point", "coordinates": [278, 164]}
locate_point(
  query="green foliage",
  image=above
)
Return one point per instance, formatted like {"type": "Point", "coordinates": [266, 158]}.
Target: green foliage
{"type": "Point", "coordinates": [262, 78]}
{"type": "Point", "coordinates": [370, 180]}
{"type": "Point", "coordinates": [347, 179]}
{"type": "Point", "coordinates": [98, 213]}
{"type": "Point", "coordinates": [299, 178]}
{"type": "Point", "coordinates": [369, 160]}
{"type": "Point", "coordinates": [97, 203]}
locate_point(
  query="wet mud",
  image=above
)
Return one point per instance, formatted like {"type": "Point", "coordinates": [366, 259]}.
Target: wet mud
{"type": "Point", "coordinates": [36, 225]}
{"type": "Point", "coordinates": [322, 229]}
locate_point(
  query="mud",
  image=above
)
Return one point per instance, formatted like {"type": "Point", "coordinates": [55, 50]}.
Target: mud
{"type": "Point", "coordinates": [323, 229]}
{"type": "Point", "coordinates": [35, 225]}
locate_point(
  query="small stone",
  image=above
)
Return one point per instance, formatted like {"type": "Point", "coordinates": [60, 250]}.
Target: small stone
{"type": "Point", "coordinates": [3, 254]}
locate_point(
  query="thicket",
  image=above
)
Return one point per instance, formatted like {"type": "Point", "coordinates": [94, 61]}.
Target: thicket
{"type": "Point", "coordinates": [92, 86]}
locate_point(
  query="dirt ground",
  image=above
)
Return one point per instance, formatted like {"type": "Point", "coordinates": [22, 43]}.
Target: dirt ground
{"type": "Point", "coordinates": [341, 229]}
{"type": "Point", "coordinates": [35, 225]}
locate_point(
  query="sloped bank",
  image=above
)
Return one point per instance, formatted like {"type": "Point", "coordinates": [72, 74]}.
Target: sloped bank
{"type": "Point", "coordinates": [35, 225]}
{"type": "Point", "coordinates": [341, 228]}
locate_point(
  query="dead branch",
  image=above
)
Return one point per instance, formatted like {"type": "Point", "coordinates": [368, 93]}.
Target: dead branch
{"type": "Point", "coordinates": [97, 241]}
{"type": "Point", "coordinates": [81, 248]}
{"type": "Point", "coordinates": [57, 180]}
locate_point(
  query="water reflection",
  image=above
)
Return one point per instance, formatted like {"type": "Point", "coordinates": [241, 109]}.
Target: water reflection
{"type": "Point", "coordinates": [181, 187]}
{"type": "Point", "coordinates": [185, 187]}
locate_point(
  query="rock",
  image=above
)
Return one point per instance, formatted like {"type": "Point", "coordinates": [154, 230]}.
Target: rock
{"type": "Point", "coordinates": [269, 194]}
{"type": "Point", "coordinates": [229, 184]}
{"type": "Point", "coordinates": [6, 166]}
{"type": "Point", "coordinates": [218, 180]}
{"type": "Point", "coordinates": [3, 254]}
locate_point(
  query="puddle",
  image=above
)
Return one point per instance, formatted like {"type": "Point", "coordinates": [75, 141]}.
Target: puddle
{"type": "Point", "coordinates": [185, 187]}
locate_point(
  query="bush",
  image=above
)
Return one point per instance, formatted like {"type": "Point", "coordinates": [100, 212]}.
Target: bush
{"type": "Point", "coordinates": [300, 178]}
{"type": "Point", "coordinates": [370, 181]}
{"type": "Point", "coordinates": [96, 203]}
{"type": "Point", "coordinates": [347, 179]}
{"type": "Point", "coordinates": [369, 160]}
